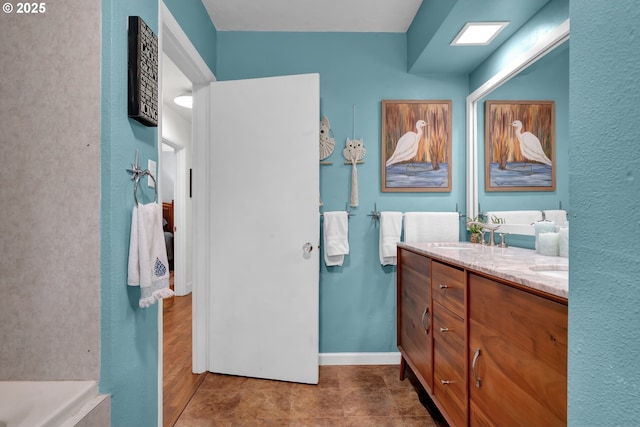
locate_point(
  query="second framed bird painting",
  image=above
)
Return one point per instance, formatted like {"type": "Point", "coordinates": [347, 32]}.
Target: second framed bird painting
{"type": "Point", "coordinates": [519, 146]}
{"type": "Point", "coordinates": [416, 146]}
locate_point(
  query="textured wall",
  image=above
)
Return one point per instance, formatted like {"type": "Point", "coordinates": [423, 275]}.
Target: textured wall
{"type": "Point", "coordinates": [604, 293]}
{"type": "Point", "coordinates": [50, 192]}
{"type": "Point", "coordinates": [129, 334]}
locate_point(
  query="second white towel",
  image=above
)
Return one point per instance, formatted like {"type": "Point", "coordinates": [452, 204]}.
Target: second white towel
{"type": "Point", "coordinates": [336, 237]}
{"type": "Point", "coordinates": [431, 227]}
{"type": "Point", "coordinates": [390, 232]}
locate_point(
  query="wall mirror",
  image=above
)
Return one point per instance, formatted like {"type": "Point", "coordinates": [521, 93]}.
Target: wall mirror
{"type": "Point", "coordinates": [514, 82]}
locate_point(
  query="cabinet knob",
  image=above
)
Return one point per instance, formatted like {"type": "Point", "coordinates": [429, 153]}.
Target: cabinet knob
{"type": "Point", "coordinates": [443, 286]}
{"type": "Point", "coordinates": [445, 382]}
{"type": "Point", "coordinates": [444, 330]}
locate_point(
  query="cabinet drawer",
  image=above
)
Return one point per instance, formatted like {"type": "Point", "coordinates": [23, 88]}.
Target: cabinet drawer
{"type": "Point", "coordinates": [449, 330]}
{"type": "Point", "coordinates": [449, 385]}
{"type": "Point", "coordinates": [448, 287]}
{"type": "Point", "coordinates": [415, 267]}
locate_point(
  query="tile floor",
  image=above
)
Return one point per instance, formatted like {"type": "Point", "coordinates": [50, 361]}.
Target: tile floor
{"type": "Point", "coordinates": [345, 396]}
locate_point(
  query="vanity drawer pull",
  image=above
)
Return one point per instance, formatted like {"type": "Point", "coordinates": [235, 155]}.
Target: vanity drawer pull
{"type": "Point", "coordinates": [425, 314]}
{"type": "Point", "coordinates": [444, 330]}
{"type": "Point", "coordinates": [474, 366]}
{"type": "Point", "coordinates": [443, 286]}
{"type": "Point", "coordinates": [445, 382]}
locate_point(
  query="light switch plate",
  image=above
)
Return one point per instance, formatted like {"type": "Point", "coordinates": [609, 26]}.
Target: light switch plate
{"type": "Point", "coordinates": [152, 168]}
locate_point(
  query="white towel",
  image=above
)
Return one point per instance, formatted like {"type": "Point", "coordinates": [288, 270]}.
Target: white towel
{"type": "Point", "coordinates": [515, 217]}
{"type": "Point", "coordinates": [390, 232]}
{"type": "Point", "coordinates": [431, 227]}
{"type": "Point", "coordinates": [148, 266]}
{"type": "Point", "coordinates": [336, 237]}
{"type": "Point", "coordinates": [557, 216]}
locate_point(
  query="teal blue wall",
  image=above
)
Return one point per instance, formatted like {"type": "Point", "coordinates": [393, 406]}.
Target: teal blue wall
{"type": "Point", "coordinates": [604, 290]}
{"type": "Point", "coordinates": [197, 25]}
{"type": "Point", "coordinates": [424, 26]}
{"type": "Point", "coordinates": [129, 335]}
{"type": "Point", "coordinates": [357, 300]}
{"type": "Point", "coordinates": [547, 19]}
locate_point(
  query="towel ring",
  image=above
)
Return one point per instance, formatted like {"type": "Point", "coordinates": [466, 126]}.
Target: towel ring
{"type": "Point", "coordinates": [135, 185]}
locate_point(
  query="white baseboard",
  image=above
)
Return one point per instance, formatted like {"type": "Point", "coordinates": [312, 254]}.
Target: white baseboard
{"type": "Point", "coordinates": [359, 358]}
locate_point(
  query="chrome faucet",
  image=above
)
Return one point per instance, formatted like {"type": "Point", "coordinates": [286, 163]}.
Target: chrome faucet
{"type": "Point", "coordinates": [491, 229]}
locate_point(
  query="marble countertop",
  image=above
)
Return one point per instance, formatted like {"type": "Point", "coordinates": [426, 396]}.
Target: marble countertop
{"type": "Point", "coordinates": [517, 265]}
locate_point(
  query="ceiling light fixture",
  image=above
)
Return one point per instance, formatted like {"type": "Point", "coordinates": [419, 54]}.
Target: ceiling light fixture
{"type": "Point", "coordinates": [185, 100]}
{"type": "Point", "coordinates": [478, 33]}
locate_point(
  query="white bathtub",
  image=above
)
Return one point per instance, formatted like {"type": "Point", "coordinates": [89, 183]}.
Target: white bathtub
{"type": "Point", "coordinates": [43, 403]}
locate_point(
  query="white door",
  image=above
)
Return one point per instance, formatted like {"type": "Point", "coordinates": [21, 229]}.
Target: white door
{"type": "Point", "coordinates": [264, 207]}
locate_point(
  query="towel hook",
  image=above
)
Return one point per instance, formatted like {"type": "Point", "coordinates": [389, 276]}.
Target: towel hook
{"type": "Point", "coordinates": [136, 173]}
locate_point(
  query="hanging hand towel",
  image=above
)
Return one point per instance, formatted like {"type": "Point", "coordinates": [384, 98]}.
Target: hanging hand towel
{"type": "Point", "coordinates": [390, 232]}
{"type": "Point", "coordinates": [148, 265]}
{"type": "Point", "coordinates": [336, 237]}
{"type": "Point", "coordinates": [431, 227]}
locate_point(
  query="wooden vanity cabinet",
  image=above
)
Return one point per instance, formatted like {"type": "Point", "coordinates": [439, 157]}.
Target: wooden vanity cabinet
{"type": "Point", "coordinates": [517, 356]}
{"type": "Point", "coordinates": [414, 315]}
{"type": "Point", "coordinates": [489, 352]}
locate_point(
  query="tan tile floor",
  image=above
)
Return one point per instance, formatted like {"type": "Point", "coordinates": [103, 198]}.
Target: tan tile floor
{"type": "Point", "coordinates": [346, 396]}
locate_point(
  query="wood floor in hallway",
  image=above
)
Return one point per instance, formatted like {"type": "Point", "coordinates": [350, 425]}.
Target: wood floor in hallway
{"type": "Point", "coordinates": [179, 383]}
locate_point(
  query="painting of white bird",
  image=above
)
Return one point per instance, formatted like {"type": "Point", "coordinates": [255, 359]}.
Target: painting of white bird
{"type": "Point", "coordinates": [530, 146]}
{"type": "Point", "coordinates": [416, 145]}
{"type": "Point", "coordinates": [407, 146]}
{"type": "Point", "coordinates": [520, 145]}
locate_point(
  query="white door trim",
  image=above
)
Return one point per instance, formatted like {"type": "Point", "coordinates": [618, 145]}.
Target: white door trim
{"type": "Point", "coordinates": [180, 218]}
{"type": "Point", "coordinates": [175, 43]}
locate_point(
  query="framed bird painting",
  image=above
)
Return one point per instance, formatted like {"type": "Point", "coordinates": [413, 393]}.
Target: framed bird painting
{"type": "Point", "coordinates": [416, 146]}
{"type": "Point", "coordinates": [519, 148]}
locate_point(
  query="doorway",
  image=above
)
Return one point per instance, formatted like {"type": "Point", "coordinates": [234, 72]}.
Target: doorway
{"type": "Point", "coordinates": [183, 333]}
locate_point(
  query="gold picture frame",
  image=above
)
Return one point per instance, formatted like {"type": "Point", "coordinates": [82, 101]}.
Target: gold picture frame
{"type": "Point", "coordinates": [416, 146]}
{"type": "Point", "coordinates": [519, 146]}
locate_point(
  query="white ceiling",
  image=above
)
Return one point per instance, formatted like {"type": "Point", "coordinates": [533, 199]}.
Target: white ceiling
{"type": "Point", "coordinates": [384, 16]}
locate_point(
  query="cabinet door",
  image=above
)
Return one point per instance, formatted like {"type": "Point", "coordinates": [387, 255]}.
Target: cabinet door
{"type": "Point", "coordinates": [517, 356]}
{"type": "Point", "coordinates": [414, 314]}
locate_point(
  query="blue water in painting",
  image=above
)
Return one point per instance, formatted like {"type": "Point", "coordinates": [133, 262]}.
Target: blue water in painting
{"type": "Point", "coordinates": [417, 175]}
{"type": "Point", "coordinates": [520, 174]}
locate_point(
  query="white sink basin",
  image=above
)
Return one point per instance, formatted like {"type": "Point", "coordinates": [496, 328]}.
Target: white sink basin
{"type": "Point", "coordinates": [560, 271]}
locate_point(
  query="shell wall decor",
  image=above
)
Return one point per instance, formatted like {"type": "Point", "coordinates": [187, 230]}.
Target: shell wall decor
{"type": "Point", "coordinates": [327, 144]}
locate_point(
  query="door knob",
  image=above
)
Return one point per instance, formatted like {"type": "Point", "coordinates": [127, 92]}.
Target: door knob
{"type": "Point", "coordinates": [307, 247]}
